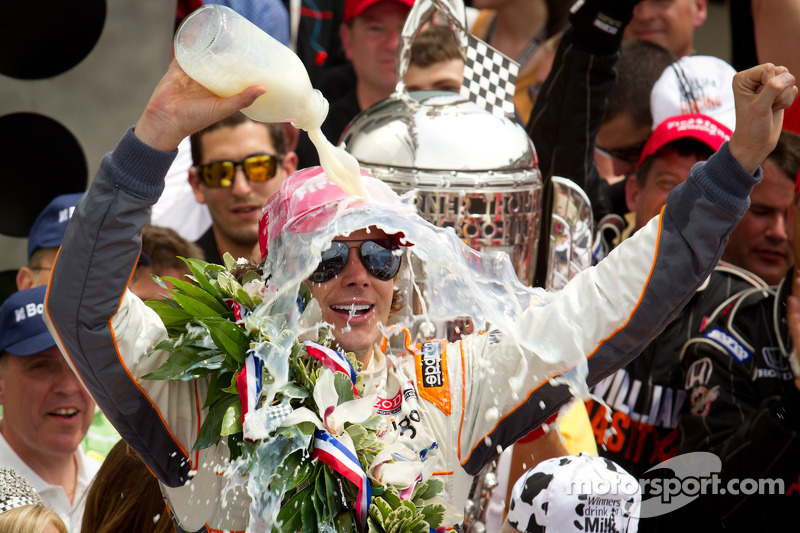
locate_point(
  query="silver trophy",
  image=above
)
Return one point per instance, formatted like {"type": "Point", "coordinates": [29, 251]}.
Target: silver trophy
{"type": "Point", "coordinates": [474, 169]}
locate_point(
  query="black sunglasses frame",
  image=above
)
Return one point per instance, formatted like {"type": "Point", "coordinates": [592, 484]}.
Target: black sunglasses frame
{"type": "Point", "coordinates": [225, 171]}
{"type": "Point", "coordinates": [339, 253]}
{"type": "Point", "coordinates": [628, 154]}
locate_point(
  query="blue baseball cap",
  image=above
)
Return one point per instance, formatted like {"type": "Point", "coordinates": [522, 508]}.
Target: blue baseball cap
{"type": "Point", "coordinates": [22, 328]}
{"type": "Point", "coordinates": [49, 227]}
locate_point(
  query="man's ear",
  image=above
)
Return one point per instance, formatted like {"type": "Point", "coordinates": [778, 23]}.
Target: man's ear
{"type": "Point", "coordinates": [702, 13]}
{"type": "Point", "coordinates": [2, 378]}
{"type": "Point", "coordinates": [197, 188]}
{"type": "Point", "coordinates": [347, 42]}
{"type": "Point", "coordinates": [292, 135]}
{"type": "Point", "coordinates": [631, 193]}
{"type": "Point", "coordinates": [25, 279]}
{"type": "Point", "coordinates": [289, 163]}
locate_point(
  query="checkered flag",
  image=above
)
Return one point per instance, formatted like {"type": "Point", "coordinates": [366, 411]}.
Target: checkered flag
{"type": "Point", "coordinates": [278, 413]}
{"type": "Point", "coordinates": [489, 78]}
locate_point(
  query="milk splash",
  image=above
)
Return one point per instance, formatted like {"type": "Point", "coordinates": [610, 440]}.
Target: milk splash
{"type": "Point", "coordinates": [460, 282]}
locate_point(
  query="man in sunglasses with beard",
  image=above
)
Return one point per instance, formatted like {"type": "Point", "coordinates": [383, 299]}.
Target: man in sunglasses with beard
{"type": "Point", "coordinates": [238, 164]}
{"type": "Point", "coordinates": [458, 403]}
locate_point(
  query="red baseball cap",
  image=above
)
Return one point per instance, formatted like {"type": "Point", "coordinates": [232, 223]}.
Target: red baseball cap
{"type": "Point", "coordinates": [353, 8]}
{"type": "Point", "coordinates": [696, 126]}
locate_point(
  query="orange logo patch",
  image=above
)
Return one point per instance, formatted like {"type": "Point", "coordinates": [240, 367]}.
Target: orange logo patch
{"type": "Point", "coordinates": [433, 382]}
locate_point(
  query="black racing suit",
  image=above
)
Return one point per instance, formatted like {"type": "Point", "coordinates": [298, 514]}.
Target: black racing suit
{"type": "Point", "coordinates": [571, 107]}
{"type": "Point", "coordinates": [745, 408]}
{"type": "Point", "coordinates": [646, 397]}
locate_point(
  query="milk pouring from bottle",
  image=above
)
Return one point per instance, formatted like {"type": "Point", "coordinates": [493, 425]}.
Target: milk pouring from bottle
{"type": "Point", "coordinates": [227, 53]}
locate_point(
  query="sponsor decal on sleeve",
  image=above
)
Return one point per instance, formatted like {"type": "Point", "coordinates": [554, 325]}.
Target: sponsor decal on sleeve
{"type": "Point", "coordinates": [432, 378]}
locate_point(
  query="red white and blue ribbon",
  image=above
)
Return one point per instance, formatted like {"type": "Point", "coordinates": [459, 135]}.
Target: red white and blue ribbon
{"type": "Point", "coordinates": [332, 359]}
{"type": "Point", "coordinates": [239, 311]}
{"type": "Point", "coordinates": [336, 455]}
{"type": "Point", "coordinates": [248, 382]}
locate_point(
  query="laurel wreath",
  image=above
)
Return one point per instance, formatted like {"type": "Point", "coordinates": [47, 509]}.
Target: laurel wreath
{"type": "Point", "coordinates": [205, 341]}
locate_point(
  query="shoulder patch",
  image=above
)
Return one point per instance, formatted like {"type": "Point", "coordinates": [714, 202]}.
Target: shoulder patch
{"type": "Point", "coordinates": [729, 344]}
{"type": "Point", "coordinates": [433, 382]}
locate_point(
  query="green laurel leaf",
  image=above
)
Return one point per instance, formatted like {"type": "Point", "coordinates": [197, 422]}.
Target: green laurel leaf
{"type": "Point", "coordinates": [198, 293]}
{"type": "Point", "coordinates": [212, 425]}
{"type": "Point", "coordinates": [202, 271]}
{"type": "Point", "coordinates": [290, 519]}
{"type": "Point", "coordinates": [232, 421]}
{"type": "Point", "coordinates": [170, 312]}
{"type": "Point", "coordinates": [227, 336]}
{"type": "Point", "coordinates": [193, 306]}
{"type": "Point", "coordinates": [187, 362]}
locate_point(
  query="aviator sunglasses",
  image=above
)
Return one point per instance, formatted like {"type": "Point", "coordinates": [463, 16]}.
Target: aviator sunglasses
{"type": "Point", "coordinates": [379, 257]}
{"type": "Point", "coordinates": [256, 167]}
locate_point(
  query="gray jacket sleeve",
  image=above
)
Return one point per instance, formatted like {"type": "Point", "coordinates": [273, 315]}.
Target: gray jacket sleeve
{"type": "Point", "coordinates": [88, 294]}
{"type": "Point", "coordinates": [609, 313]}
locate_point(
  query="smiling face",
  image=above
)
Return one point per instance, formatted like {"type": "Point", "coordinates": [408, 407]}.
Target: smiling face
{"type": "Point", "coordinates": [235, 209]}
{"type": "Point", "coordinates": [762, 241]}
{"type": "Point", "coordinates": [669, 23]}
{"type": "Point", "coordinates": [669, 169]}
{"type": "Point", "coordinates": [355, 302]}
{"type": "Point", "coordinates": [46, 411]}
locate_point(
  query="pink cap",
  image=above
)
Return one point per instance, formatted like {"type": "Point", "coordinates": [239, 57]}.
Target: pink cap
{"type": "Point", "coordinates": [700, 127]}
{"type": "Point", "coordinates": [353, 8]}
{"type": "Point", "coordinates": [307, 201]}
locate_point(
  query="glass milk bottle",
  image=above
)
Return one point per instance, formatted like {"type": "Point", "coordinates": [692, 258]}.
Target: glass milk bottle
{"type": "Point", "coordinates": [226, 53]}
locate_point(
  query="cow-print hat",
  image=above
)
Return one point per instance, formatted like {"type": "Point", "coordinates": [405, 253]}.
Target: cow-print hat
{"type": "Point", "coordinates": [575, 493]}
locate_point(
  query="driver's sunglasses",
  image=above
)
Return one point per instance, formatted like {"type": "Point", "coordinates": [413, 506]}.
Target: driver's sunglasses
{"type": "Point", "coordinates": [257, 168]}
{"type": "Point", "coordinates": [629, 154]}
{"type": "Point", "coordinates": [380, 258]}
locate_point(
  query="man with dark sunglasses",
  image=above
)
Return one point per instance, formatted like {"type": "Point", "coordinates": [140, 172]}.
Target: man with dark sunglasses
{"type": "Point", "coordinates": [237, 165]}
{"type": "Point", "coordinates": [456, 404]}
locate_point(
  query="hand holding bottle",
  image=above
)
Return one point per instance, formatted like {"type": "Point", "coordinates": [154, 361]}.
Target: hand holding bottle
{"type": "Point", "coordinates": [179, 106]}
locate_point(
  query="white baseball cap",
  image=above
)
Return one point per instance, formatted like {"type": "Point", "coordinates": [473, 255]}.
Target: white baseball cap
{"type": "Point", "coordinates": [695, 84]}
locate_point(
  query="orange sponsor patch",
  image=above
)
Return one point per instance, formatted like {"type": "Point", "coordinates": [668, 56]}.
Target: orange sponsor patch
{"type": "Point", "coordinates": [433, 381]}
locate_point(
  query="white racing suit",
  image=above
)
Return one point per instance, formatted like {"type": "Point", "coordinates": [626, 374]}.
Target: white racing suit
{"type": "Point", "coordinates": [460, 400]}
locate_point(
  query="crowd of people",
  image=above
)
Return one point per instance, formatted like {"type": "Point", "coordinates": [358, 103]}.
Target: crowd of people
{"type": "Point", "coordinates": [678, 341]}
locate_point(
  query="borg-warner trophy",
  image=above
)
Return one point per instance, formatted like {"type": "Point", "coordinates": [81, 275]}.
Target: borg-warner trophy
{"type": "Point", "coordinates": [475, 170]}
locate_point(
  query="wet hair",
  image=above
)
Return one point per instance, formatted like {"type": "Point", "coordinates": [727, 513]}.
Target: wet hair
{"type": "Point", "coordinates": [684, 147]}
{"type": "Point", "coordinates": [125, 496]}
{"type": "Point", "coordinates": [31, 518]}
{"type": "Point", "coordinates": [276, 134]}
{"type": "Point", "coordinates": [640, 65]}
{"type": "Point", "coordinates": [786, 155]}
{"type": "Point", "coordinates": [435, 44]}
